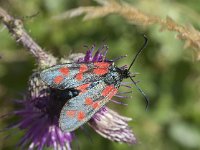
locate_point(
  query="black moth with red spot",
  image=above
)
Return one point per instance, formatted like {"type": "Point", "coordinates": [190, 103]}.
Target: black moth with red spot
{"type": "Point", "coordinates": [97, 83]}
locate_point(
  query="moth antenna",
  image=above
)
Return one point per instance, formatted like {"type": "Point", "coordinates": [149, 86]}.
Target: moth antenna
{"type": "Point", "coordinates": [141, 91]}
{"type": "Point", "coordinates": [140, 50]}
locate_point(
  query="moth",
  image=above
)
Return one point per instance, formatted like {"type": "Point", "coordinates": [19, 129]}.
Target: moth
{"type": "Point", "coordinates": [96, 83]}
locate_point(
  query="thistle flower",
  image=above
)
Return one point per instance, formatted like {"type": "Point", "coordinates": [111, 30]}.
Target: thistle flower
{"type": "Point", "coordinates": [41, 108]}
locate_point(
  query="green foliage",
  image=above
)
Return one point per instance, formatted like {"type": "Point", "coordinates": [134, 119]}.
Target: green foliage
{"type": "Point", "coordinates": [168, 74]}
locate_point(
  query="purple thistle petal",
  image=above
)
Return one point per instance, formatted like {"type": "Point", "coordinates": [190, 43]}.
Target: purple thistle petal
{"type": "Point", "coordinates": [122, 96]}
{"type": "Point", "coordinates": [97, 57]}
{"type": "Point", "coordinates": [88, 55]}
{"type": "Point", "coordinates": [117, 102]}
{"type": "Point", "coordinates": [42, 131]}
{"type": "Point", "coordinates": [113, 127]}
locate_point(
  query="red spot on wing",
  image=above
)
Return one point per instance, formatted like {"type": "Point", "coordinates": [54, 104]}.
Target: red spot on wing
{"type": "Point", "coordinates": [64, 71]}
{"type": "Point", "coordinates": [81, 115]}
{"type": "Point", "coordinates": [112, 93]}
{"type": "Point", "coordinates": [102, 64]}
{"type": "Point", "coordinates": [100, 71]}
{"type": "Point", "coordinates": [107, 90]}
{"type": "Point", "coordinates": [83, 68]}
{"type": "Point", "coordinates": [95, 105]}
{"type": "Point", "coordinates": [58, 79]}
{"type": "Point", "coordinates": [79, 76]}
{"type": "Point", "coordinates": [70, 113]}
{"type": "Point", "coordinates": [83, 87]}
{"type": "Point", "coordinates": [88, 101]}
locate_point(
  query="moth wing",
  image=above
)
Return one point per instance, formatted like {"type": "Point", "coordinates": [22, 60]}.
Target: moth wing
{"type": "Point", "coordinates": [73, 74]}
{"type": "Point", "coordinates": [80, 109]}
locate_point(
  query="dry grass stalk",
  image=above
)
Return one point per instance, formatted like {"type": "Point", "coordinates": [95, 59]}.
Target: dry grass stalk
{"type": "Point", "coordinates": [190, 35]}
{"type": "Point", "coordinates": [15, 27]}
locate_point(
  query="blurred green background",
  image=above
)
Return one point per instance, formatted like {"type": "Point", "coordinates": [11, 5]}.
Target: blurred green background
{"type": "Point", "coordinates": [169, 74]}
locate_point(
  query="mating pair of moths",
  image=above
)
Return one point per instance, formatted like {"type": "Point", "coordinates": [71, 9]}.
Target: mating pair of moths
{"type": "Point", "coordinates": [97, 83]}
